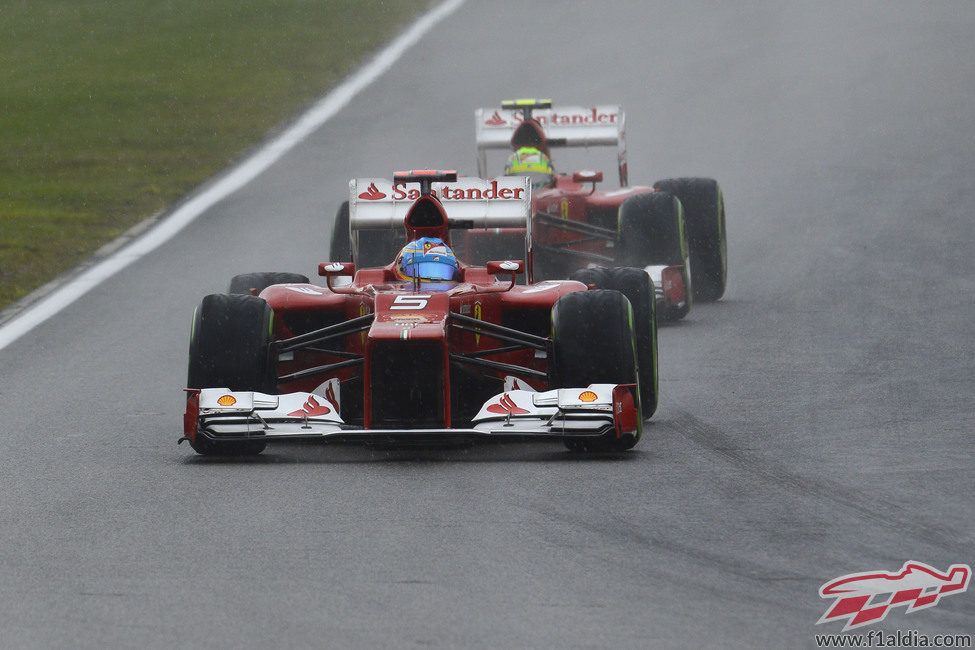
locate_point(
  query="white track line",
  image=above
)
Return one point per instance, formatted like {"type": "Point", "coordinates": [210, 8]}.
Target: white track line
{"type": "Point", "coordinates": [238, 177]}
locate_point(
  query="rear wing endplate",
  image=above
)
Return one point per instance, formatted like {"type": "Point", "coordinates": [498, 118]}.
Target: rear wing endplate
{"type": "Point", "coordinates": [566, 126]}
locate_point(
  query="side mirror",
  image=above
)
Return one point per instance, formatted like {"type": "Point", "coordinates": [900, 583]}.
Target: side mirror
{"type": "Point", "coordinates": [514, 267]}
{"type": "Point", "coordinates": [507, 266]}
{"type": "Point", "coordinates": [335, 269]}
{"type": "Point", "coordinates": [587, 176]}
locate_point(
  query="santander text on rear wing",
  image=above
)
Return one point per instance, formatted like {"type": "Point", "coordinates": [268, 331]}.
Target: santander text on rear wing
{"type": "Point", "coordinates": [565, 126]}
{"type": "Point", "coordinates": [503, 202]}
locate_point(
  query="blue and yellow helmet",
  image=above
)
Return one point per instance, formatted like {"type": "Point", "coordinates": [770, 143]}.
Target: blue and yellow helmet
{"type": "Point", "coordinates": [427, 259]}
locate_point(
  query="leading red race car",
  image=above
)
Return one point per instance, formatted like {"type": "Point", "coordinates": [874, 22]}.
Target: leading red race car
{"type": "Point", "coordinates": [675, 229]}
{"type": "Point", "coordinates": [425, 349]}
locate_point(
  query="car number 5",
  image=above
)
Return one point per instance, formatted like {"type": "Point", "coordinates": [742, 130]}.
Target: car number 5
{"type": "Point", "coordinates": [412, 303]}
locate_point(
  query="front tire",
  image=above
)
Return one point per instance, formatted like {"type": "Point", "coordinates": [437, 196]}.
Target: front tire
{"type": "Point", "coordinates": [652, 233]}
{"type": "Point", "coordinates": [651, 230]}
{"type": "Point", "coordinates": [704, 215]}
{"type": "Point", "coordinates": [638, 288]}
{"type": "Point", "coordinates": [593, 343]}
{"type": "Point", "coordinates": [230, 348]}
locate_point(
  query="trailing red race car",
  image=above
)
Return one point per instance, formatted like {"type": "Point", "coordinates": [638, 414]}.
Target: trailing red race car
{"type": "Point", "coordinates": [425, 349]}
{"type": "Point", "coordinates": [675, 229]}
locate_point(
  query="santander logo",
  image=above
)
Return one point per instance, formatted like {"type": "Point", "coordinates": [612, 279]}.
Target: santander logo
{"type": "Point", "coordinates": [311, 407]}
{"type": "Point", "coordinates": [573, 117]}
{"type": "Point", "coordinates": [372, 193]}
{"type": "Point", "coordinates": [448, 193]}
{"type": "Point", "coordinates": [495, 120]}
{"type": "Point", "coordinates": [493, 190]}
{"type": "Point", "coordinates": [589, 116]}
{"type": "Point", "coordinates": [506, 406]}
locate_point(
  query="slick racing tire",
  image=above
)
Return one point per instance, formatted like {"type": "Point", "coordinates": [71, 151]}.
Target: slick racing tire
{"type": "Point", "coordinates": [638, 288]}
{"type": "Point", "coordinates": [593, 343]}
{"type": "Point", "coordinates": [652, 232]}
{"type": "Point", "coordinates": [230, 348]}
{"type": "Point", "coordinates": [595, 277]}
{"type": "Point", "coordinates": [707, 239]}
{"type": "Point", "coordinates": [376, 247]}
{"type": "Point", "coordinates": [258, 282]}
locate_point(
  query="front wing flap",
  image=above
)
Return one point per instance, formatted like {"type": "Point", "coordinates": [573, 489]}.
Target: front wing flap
{"type": "Point", "coordinates": [594, 411]}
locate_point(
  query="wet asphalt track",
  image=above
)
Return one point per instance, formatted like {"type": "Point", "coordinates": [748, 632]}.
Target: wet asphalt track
{"type": "Point", "coordinates": [816, 422]}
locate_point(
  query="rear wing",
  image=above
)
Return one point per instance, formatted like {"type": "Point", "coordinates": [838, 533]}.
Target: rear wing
{"type": "Point", "coordinates": [469, 203]}
{"type": "Point", "coordinates": [566, 126]}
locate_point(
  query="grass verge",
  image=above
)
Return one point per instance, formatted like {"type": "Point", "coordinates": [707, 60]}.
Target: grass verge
{"type": "Point", "coordinates": [114, 109]}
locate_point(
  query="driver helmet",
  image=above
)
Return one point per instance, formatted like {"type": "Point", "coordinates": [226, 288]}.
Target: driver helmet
{"type": "Point", "coordinates": [427, 259]}
{"type": "Point", "coordinates": [530, 162]}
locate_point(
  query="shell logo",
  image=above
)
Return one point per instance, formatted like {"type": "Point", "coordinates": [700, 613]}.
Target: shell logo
{"type": "Point", "coordinates": [227, 400]}
{"type": "Point", "coordinates": [588, 396]}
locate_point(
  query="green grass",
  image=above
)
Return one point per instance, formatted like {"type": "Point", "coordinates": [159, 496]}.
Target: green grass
{"type": "Point", "coordinates": [112, 110]}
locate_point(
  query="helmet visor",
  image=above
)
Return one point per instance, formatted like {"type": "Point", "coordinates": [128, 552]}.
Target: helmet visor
{"type": "Point", "coordinates": [430, 270]}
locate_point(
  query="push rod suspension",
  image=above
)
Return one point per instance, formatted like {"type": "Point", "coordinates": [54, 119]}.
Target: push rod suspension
{"type": "Point", "coordinates": [332, 331]}
{"type": "Point", "coordinates": [497, 365]}
{"type": "Point", "coordinates": [505, 333]}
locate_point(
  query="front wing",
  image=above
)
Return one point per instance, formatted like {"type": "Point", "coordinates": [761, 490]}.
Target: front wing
{"type": "Point", "coordinates": [566, 413]}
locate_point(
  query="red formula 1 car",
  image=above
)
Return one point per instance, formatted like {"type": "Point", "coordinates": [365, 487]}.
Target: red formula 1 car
{"type": "Point", "coordinates": [675, 229]}
{"type": "Point", "coordinates": [425, 349]}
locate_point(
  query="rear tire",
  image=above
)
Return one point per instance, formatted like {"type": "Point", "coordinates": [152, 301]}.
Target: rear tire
{"type": "Point", "coordinates": [243, 283]}
{"type": "Point", "coordinates": [707, 239]}
{"type": "Point", "coordinates": [376, 247]}
{"type": "Point", "coordinates": [340, 248]}
{"type": "Point", "coordinates": [595, 277]}
{"type": "Point", "coordinates": [593, 343]}
{"type": "Point", "coordinates": [230, 348]}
